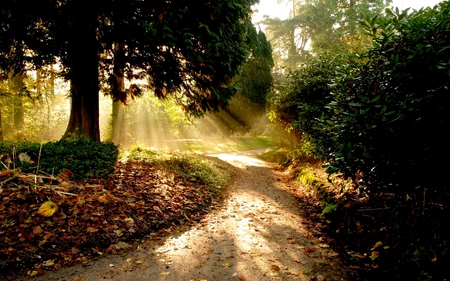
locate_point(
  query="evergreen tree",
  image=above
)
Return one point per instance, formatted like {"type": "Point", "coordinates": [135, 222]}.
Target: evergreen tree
{"type": "Point", "coordinates": [180, 48]}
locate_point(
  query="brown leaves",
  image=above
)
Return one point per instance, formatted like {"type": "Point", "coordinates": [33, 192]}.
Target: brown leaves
{"type": "Point", "coordinates": [37, 230]}
{"type": "Point", "coordinates": [65, 223]}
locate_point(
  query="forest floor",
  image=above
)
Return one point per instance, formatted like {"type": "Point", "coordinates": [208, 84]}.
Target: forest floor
{"type": "Point", "coordinates": [259, 230]}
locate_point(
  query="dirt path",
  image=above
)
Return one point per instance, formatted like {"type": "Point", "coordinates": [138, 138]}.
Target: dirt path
{"type": "Point", "coordinates": [256, 235]}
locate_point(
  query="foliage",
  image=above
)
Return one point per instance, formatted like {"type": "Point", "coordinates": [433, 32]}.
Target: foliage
{"type": "Point", "coordinates": [193, 168]}
{"type": "Point", "coordinates": [393, 110]}
{"type": "Point", "coordinates": [300, 105]}
{"type": "Point", "coordinates": [203, 171]}
{"type": "Point", "coordinates": [383, 114]}
{"type": "Point", "coordinates": [47, 209]}
{"type": "Point", "coordinates": [317, 26]}
{"type": "Point", "coordinates": [180, 49]}
{"type": "Point", "coordinates": [380, 118]}
{"type": "Point", "coordinates": [85, 159]}
{"type": "Point", "coordinates": [255, 78]}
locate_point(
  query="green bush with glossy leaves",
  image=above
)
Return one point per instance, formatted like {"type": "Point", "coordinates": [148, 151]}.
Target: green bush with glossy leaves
{"type": "Point", "coordinates": [86, 159]}
{"type": "Point", "coordinates": [383, 117]}
{"type": "Point", "coordinates": [383, 114]}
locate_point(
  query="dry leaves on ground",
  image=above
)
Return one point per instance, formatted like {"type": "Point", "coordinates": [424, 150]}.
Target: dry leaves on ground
{"type": "Point", "coordinates": [86, 220]}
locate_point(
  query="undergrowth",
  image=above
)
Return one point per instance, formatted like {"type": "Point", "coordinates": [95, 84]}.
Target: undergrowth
{"type": "Point", "coordinates": [85, 159]}
{"type": "Point", "coordinates": [385, 234]}
{"type": "Point", "coordinates": [193, 167]}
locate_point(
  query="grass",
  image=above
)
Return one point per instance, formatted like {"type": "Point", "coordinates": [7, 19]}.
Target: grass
{"type": "Point", "coordinates": [221, 146]}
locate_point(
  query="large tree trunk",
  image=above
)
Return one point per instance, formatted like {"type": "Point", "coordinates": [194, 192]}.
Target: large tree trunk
{"type": "Point", "coordinates": [83, 60]}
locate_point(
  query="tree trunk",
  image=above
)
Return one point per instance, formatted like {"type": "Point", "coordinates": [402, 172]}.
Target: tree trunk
{"type": "Point", "coordinates": [83, 61]}
{"type": "Point", "coordinates": [118, 92]}
{"type": "Point", "coordinates": [352, 17]}
{"type": "Point", "coordinates": [1, 126]}
{"type": "Point", "coordinates": [118, 117]}
{"type": "Point", "coordinates": [17, 88]}
{"type": "Point", "coordinates": [18, 113]}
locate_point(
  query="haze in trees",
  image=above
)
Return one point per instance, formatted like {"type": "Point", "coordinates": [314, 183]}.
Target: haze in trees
{"type": "Point", "coordinates": [315, 26]}
{"type": "Point", "coordinates": [180, 49]}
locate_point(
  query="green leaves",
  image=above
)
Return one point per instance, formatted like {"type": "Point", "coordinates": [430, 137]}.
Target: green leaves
{"type": "Point", "coordinates": [382, 113]}
{"type": "Point", "coordinates": [86, 159]}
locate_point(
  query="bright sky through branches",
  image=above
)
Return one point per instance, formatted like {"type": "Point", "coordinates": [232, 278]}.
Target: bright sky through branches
{"type": "Point", "coordinates": [272, 9]}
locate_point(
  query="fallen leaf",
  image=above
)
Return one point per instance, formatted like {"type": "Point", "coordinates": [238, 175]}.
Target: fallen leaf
{"type": "Point", "coordinates": [49, 263]}
{"type": "Point", "coordinates": [103, 199]}
{"type": "Point", "coordinates": [309, 250]}
{"type": "Point", "coordinates": [91, 229]}
{"type": "Point", "coordinates": [374, 255]}
{"type": "Point", "coordinates": [64, 175]}
{"type": "Point", "coordinates": [275, 267]}
{"type": "Point", "coordinates": [378, 244]}
{"type": "Point", "coordinates": [47, 209]}
{"type": "Point", "coordinates": [122, 245]}
{"type": "Point", "coordinates": [359, 256]}
{"type": "Point", "coordinates": [38, 229]}
{"type": "Point", "coordinates": [227, 265]}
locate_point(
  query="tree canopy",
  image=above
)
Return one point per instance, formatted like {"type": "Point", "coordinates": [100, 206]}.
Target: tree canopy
{"type": "Point", "coordinates": [315, 26]}
{"type": "Point", "coordinates": [179, 48]}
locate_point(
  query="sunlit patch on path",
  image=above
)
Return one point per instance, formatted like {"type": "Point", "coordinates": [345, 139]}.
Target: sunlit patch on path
{"type": "Point", "coordinates": [257, 234]}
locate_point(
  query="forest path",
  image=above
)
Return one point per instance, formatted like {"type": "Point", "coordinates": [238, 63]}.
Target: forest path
{"type": "Point", "coordinates": [257, 234]}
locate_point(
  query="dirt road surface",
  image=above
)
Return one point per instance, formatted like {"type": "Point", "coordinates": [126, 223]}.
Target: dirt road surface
{"type": "Point", "coordinates": [257, 234]}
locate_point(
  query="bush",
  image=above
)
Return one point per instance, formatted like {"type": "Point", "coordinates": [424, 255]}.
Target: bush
{"type": "Point", "coordinates": [86, 159]}
{"type": "Point", "coordinates": [382, 119]}
{"type": "Point", "coordinates": [390, 115]}
{"type": "Point", "coordinates": [382, 115]}
{"type": "Point", "coordinates": [301, 106]}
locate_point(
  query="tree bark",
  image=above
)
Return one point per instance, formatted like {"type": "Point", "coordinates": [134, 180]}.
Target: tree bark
{"type": "Point", "coordinates": [83, 61]}
{"type": "Point", "coordinates": [117, 121]}
{"type": "Point", "coordinates": [118, 92]}
{"type": "Point", "coordinates": [1, 126]}
{"type": "Point", "coordinates": [17, 88]}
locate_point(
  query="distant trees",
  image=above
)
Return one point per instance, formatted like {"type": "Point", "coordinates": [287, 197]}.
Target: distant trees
{"type": "Point", "coordinates": [254, 84]}
{"type": "Point", "coordinates": [179, 48]}
{"type": "Point", "coordinates": [255, 77]}
{"type": "Point", "coordinates": [315, 26]}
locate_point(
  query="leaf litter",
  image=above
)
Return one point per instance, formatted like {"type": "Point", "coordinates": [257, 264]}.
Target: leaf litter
{"type": "Point", "coordinates": [142, 202]}
{"type": "Point", "coordinates": [48, 222]}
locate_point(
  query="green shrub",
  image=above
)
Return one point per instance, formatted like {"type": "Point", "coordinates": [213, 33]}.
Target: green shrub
{"type": "Point", "coordinates": [383, 114]}
{"type": "Point", "coordinates": [391, 114]}
{"type": "Point", "coordinates": [384, 117]}
{"type": "Point", "coordinates": [86, 159]}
